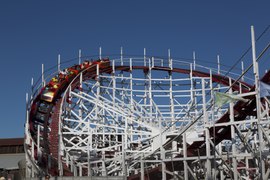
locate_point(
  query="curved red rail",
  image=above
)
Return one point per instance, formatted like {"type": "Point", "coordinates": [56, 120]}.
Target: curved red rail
{"type": "Point", "coordinates": [45, 107]}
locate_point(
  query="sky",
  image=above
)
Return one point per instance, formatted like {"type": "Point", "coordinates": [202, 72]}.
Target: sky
{"type": "Point", "coordinates": [34, 32]}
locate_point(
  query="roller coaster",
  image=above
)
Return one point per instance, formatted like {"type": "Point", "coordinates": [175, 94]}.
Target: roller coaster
{"type": "Point", "coordinates": [146, 118]}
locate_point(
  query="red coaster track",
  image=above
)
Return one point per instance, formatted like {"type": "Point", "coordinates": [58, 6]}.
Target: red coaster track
{"type": "Point", "coordinates": [45, 112]}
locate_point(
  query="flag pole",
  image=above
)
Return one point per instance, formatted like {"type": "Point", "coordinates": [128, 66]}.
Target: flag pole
{"type": "Point", "coordinates": [257, 89]}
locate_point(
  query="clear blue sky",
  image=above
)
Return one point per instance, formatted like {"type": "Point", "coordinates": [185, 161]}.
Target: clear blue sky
{"type": "Point", "coordinates": [35, 32]}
